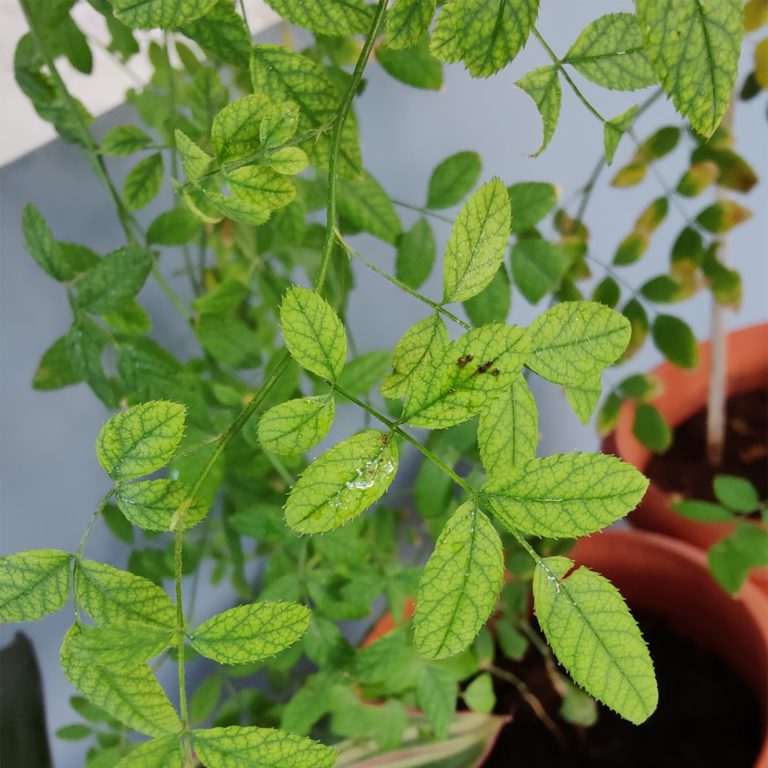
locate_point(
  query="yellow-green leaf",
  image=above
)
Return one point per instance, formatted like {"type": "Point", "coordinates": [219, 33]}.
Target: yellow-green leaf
{"type": "Point", "coordinates": [407, 21]}
{"type": "Point", "coordinates": [235, 133]}
{"type": "Point", "coordinates": [565, 496]}
{"type": "Point", "coordinates": [589, 627]}
{"type": "Point", "coordinates": [143, 182]}
{"type": "Point", "coordinates": [575, 340]}
{"type": "Point", "coordinates": [261, 187]}
{"type": "Point", "coordinates": [460, 584]}
{"type": "Point", "coordinates": [119, 645]}
{"type": "Point", "coordinates": [295, 426]}
{"type": "Point", "coordinates": [146, 14]}
{"type": "Point", "coordinates": [508, 429]}
{"type": "Point", "coordinates": [153, 505]}
{"type": "Point", "coordinates": [478, 242]}
{"type": "Point", "coordinates": [614, 129]}
{"type": "Point", "coordinates": [342, 483]}
{"type": "Point", "coordinates": [327, 17]}
{"type": "Point", "coordinates": [140, 440]}
{"type": "Point", "coordinates": [33, 584]}
{"type": "Point", "coordinates": [694, 48]}
{"type": "Point", "coordinates": [251, 632]}
{"type": "Point", "coordinates": [130, 694]}
{"type": "Point", "coordinates": [162, 752]}
{"type": "Point", "coordinates": [543, 86]}
{"type": "Point", "coordinates": [313, 332]}
{"type": "Point", "coordinates": [194, 160]}
{"type": "Point", "coordinates": [250, 747]}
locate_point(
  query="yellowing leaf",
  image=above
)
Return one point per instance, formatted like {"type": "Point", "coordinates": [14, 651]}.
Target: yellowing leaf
{"type": "Point", "coordinates": [590, 629]}
{"type": "Point", "coordinates": [327, 17]}
{"type": "Point", "coordinates": [235, 132]}
{"type": "Point", "coordinates": [130, 694]}
{"type": "Point", "coordinates": [261, 187]}
{"type": "Point", "coordinates": [194, 160]}
{"type": "Point", "coordinates": [238, 747]}
{"type": "Point", "coordinates": [153, 505]}
{"type": "Point", "coordinates": [295, 426]}
{"type": "Point", "coordinates": [140, 440]}
{"type": "Point", "coordinates": [146, 14]}
{"type": "Point", "coordinates": [459, 586]}
{"type": "Point", "coordinates": [313, 332]}
{"type": "Point", "coordinates": [508, 429]}
{"type": "Point", "coordinates": [119, 645]}
{"type": "Point", "coordinates": [478, 242]}
{"type": "Point", "coordinates": [342, 483]}
{"type": "Point", "coordinates": [694, 48]}
{"type": "Point", "coordinates": [543, 86]}
{"type": "Point", "coordinates": [251, 632]}
{"type": "Point", "coordinates": [33, 584]}
{"type": "Point", "coordinates": [575, 340]}
{"type": "Point", "coordinates": [565, 496]}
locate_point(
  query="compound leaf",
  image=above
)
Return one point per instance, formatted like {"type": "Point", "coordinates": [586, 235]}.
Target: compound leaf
{"type": "Point", "coordinates": [140, 440]}
{"type": "Point", "coordinates": [565, 496]}
{"type": "Point", "coordinates": [251, 632]}
{"type": "Point", "coordinates": [33, 584]}
{"type": "Point", "coordinates": [460, 584]}
{"type": "Point", "coordinates": [590, 629]}
{"type": "Point", "coordinates": [342, 483]}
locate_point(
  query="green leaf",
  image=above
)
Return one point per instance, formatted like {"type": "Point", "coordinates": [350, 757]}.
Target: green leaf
{"type": "Point", "coordinates": [731, 559]}
{"type": "Point", "coordinates": [56, 368]}
{"type": "Point", "coordinates": [508, 429]}
{"type": "Point", "coordinates": [235, 133]}
{"type": "Point", "coordinates": [140, 440]}
{"type": "Point", "coordinates": [492, 304]}
{"type": "Point", "coordinates": [472, 370]}
{"type": "Point", "coordinates": [238, 747]}
{"type": "Point", "coordinates": [723, 216]}
{"type": "Point", "coordinates": [228, 295]}
{"type": "Point", "coordinates": [130, 694]}
{"type": "Point", "coordinates": [110, 596]}
{"type": "Point", "coordinates": [641, 386]}
{"type": "Point", "coordinates": [33, 584]}
{"type": "Point", "coordinates": [120, 645]}
{"type": "Point", "coordinates": [146, 14]}
{"type": "Point", "coordinates": [143, 182]}
{"type": "Point", "coordinates": [85, 344]}
{"type": "Point", "coordinates": [295, 426]}
{"type": "Point", "coordinates": [608, 415]}
{"type": "Point", "coordinates": [674, 338]}
{"type": "Point", "coordinates": [577, 707]}
{"type": "Point", "coordinates": [163, 752]}
{"type": "Point", "coordinates": [288, 161]}
{"type": "Point", "coordinates": [703, 511]}
{"type": "Point", "coordinates": [252, 632]}
{"type": "Point", "coordinates": [116, 279]}
{"type": "Point", "coordinates": [419, 351]}
{"type": "Point", "coordinates": [124, 140]}
{"type": "Point", "coordinates": [153, 505]}
{"type": "Point", "coordinates": [364, 372]}
{"type": "Point", "coordinates": [694, 48]}
{"type": "Point", "coordinates": [589, 627]}
{"type": "Point", "coordinates": [222, 32]}
{"type": "Point", "coordinates": [485, 35]}
{"type": "Point", "coordinates": [638, 319]}
{"type": "Point", "coordinates": [459, 586]}
{"type": "Point", "coordinates": [130, 318]}
{"type": "Point", "coordinates": [609, 52]}
{"type": "Point", "coordinates": [416, 251]}
{"type": "Point", "coordinates": [565, 496]}
{"type": "Point", "coordinates": [327, 17]}
{"type": "Point", "coordinates": [175, 227]}
{"type": "Point", "coordinates": [575, 340]}
{"type": "Point", "coordinates": [365, 205]}
{"type": "Point", "coordinates": [531, 201]}
{"type": "Point", "coordinates": [736, 493]}
{"type": "Point", "coordinates": [261, 187]}
{"type": "Point", "coordinates": [74, 732]}
{"type": "Point", "coordinates": [607, 292]}
{"type": "Point", "coordinates": [651, 428]}
{"type": "Point", "coordinates": [583, 398]}
{"type": "Point", "coordinates": [407, 21]}
{"type": "Point", "coordinates": [206, 698]}
{"type": "Point", "coordinates": [194, 160]}
{"type": "Point", "coordinates": [453, 179]}
{"type": "Point", "coordinates": [479, 695]}
{"type": "Point", "coordinates": [342, 483]}
{"type": "Point", "coordinates": [538, 266]}
{"type": "Point", "coordinates": [278, 124]}
{"type": "Point", "coordinates": [413, 66]}
{"type": "Point", "coordinates": [117, 523]}
{"type": "Point", "coordinates": [40, 244]}
{"type": "Point", "coordinates": [284, 75]}
{"type": "Point", "coordinates": [614, 130]}
{"type": "Point", "coordinates": [313, 332]}
{"type": "Point", "coordinates": [436, 697]}
{"type": "Point", "coordinates": [543, 86]}
{"type": "Point", "coordinates": [477, 243]}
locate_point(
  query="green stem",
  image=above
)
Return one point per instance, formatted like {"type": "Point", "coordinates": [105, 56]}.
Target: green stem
{"type": "Point", "coordinates": [423, 211]}
{"type": "Point", "coordinates": [94, 517]}
{"type": "Point", "coordinates": [333, 158]}
{"type": "Point", "coordinates": [402, 286]}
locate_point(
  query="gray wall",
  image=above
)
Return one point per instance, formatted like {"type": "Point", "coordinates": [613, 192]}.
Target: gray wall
{"type": "Point", "coordinates": [49, 478]}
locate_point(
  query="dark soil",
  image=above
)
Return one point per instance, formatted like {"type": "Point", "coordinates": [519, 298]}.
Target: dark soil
{"type": "Point", "coordinates": [708, 717]}
{"type": "Point", "coordinates": [684, 467]}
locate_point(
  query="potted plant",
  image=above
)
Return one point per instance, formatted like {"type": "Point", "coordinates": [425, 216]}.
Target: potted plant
{"type": "Point", "coordinates": [208, 454]}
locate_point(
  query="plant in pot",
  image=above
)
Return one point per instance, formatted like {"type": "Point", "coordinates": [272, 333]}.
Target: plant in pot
{"type": "Point", "coordinates": [208, 454]}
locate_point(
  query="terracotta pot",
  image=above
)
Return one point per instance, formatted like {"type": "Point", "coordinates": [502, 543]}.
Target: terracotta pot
{"type": "Point", "coordinates": [685, 393]}
{"type": "Point", "coordinates": [670, 579]}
